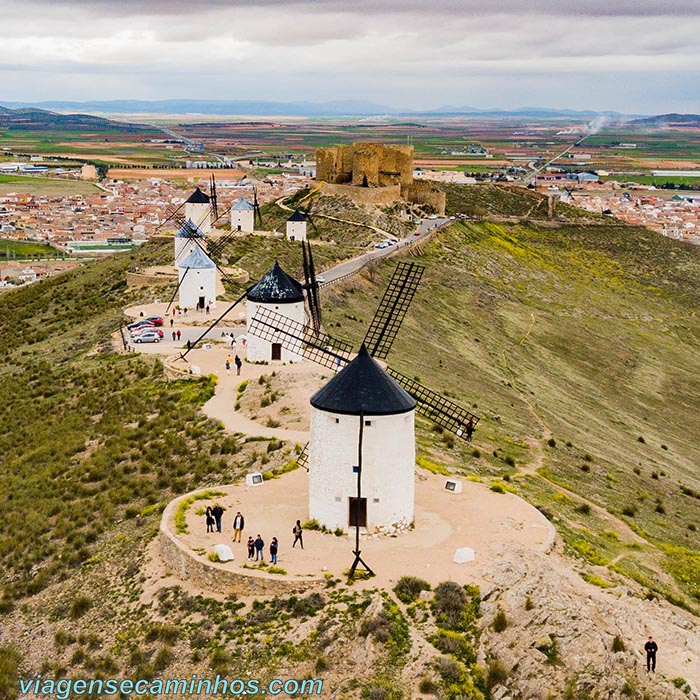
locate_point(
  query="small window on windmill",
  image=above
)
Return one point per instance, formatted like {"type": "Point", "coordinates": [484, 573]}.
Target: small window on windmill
{"type": "Point", "coordinates": [375, 500]}
{"type": "Point", "coordinates": [337, 420]}
{"type": "Point", "coordinates": [368, 422]}
{"type": "Point", "coordinates": [338, 499]}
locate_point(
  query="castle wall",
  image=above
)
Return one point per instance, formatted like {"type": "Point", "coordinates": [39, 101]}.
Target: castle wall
{"type": "Point", "coordinates": [423, 193]}
{"type": "Point", "coordinates": [372, 196]}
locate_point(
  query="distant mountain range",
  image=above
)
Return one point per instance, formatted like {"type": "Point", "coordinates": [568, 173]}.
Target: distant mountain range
{"type": "Point", "coordinates": [40, 119]}
{"type": "Point", "coordinates": [336, 108]}
{"type": "Point", "coordinates": [669, 119]}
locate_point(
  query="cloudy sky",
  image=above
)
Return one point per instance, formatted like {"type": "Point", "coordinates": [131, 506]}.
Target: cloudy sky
{"type": "Point", "coordinates": [628, 55]}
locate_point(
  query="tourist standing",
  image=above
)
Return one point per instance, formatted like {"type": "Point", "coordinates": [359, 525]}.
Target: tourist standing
{"type": "Point", "coordinates": [228, 364]}
{"type": "Point", "coordinates": [238, 525]}
{"type": "Point", "coordinates": [273, 550]}
{"type": "Point", "coordinates": [210, 520]}
{"type": "Point", "coordinates": [251, 548]}
{"type": "Point", "coordinates": [296, 531]}
{"type": "Point", "coordinates": [217, 511]}
{"type": "Point", "coordinates": [239, 364]}
{"type": "Point", "coordinates": [259, 551]}
{"type": "Point", "coordinates": [651, 648]}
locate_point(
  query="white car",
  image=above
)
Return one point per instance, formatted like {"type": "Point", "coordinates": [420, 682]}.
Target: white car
{"type": "Point", "coordinates": [148, 337]}
{"type": "Point", "coordinates": [320, 279]}
{"type": "Point", "coordinates": [383, 244]}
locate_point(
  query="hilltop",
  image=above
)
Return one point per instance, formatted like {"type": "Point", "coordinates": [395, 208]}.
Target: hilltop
{"type": "Point", "coordinates": [576, 340]}
{"type": "Point", "coordinates": [43, 120]}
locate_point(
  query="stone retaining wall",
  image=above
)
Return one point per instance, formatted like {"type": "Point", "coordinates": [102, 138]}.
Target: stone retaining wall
{"type": "Point", "coordinates": [187, 566]}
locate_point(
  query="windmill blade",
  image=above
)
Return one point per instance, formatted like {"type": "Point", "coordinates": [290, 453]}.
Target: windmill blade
{"type": "Point", "coordinates": [392, 309]}
{"type": "Point", "coordinates": [213, 323]}
{"type": "Point", "coordinates": [437, 408]}
{"type": "Point", "coordinates": [299, 338]}
{"type": "Point", "coordinates": [173, 214]}
{"type": "Point", "coordinates": [177, 289]}
{"type": "Point", "coordinates": [256, 207]}
{"type": "Point", "coordinates": [303, 459]}
{"type": "Point", "coordinates": [311, 286]}
{"type": "Point", "coordinates": [212, 198]}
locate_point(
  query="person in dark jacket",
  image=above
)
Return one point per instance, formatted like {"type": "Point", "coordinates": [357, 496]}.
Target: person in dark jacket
{"type": "Point", "coordinates": [210, 520]}
{"type": "Point", "coordinates": [259, 551]}
{"type": "Point", "coordinates": [238, 525]}
{"type": "Point", "coordinates": [251, 548]}
{"type": "Point", "coordinates": [217, 511]}
{"type": "Point", "coordinates": [239, 364]}
{"type": "Point", "coordinates": [296, 531]}
{"type": "Point", "coordinates": [651, 648]}
{"type": "Point", "coordinates": [274, 545]}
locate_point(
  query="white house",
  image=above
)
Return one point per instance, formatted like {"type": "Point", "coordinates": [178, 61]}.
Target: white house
{"type": "Point", "coordinates": [197, 279]}
{"type": "Point", "coordinates": [296, 227]}
{"type": "Point", "coordinates": [242, 216]}
{"type": "Point", "coordinates": [362, 393]}
{"type": "Point", "coordinates": [185, 241]}
{"type": "Point", "coordinates": [198, 210]}
{"type": "Point", "coordinates": [282, 294]}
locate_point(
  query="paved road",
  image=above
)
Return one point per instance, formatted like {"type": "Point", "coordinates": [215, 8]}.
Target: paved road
{"type": "Point", "coordinates": [350, 266]}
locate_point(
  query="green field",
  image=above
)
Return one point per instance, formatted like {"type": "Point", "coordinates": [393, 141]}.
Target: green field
{"type": "Point", "coordinates": [29, 184]}
{"type": "Point", "coordinates": [19, 250]}
{"type": "Point", "coordinates": [657, 181]}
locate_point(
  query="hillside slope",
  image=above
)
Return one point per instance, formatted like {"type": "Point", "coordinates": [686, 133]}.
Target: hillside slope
{"type": "Point", "coordinates": [578, 346]}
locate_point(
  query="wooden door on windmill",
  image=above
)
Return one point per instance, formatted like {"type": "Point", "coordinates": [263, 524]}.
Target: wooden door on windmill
{"type": "Point", "coordinates": [357, 512]}
{"type": "Point", "coordinates": [276, 351]}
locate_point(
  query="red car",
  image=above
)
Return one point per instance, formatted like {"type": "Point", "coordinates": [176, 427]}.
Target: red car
{"type": "Point", "coordinates": [417, 233]}
{"type": "Point", "coordinates": [155, 320]}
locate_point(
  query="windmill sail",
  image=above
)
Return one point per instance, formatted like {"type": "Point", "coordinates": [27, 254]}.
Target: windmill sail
{"type": "Point", "coordinates": [445, 413]}
{"type": "Point", "coordinates": [300, 338]}
{"type": "Point", "coordinates": [392, 309]}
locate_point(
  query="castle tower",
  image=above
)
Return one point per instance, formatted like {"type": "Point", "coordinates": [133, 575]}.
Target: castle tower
{"type": "Point", "coordinates": [242, 216]}
{"type": "Point", "coordinates": [362, 391]}
{"type": "Point", "coordinates": [296, 227]}
{"type": "Point", "coordinates": [185, 241]}
{"type": "Point", "coordinates": [198, 210]}
{"type": "Point", "coordinates": [197, 280]}
{"type": "Point", "coordinates": [282, 294]}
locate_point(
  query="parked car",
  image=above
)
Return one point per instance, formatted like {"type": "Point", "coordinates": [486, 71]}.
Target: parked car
{"type": "Point", "coordinates": [383, 244]}
{"type": "Point", "coordinates": [417, 233]}
{"type": "Point", "coordinates": [140, 324]}
{"type": "Point", "coordinates": [155, 320]}
{"type": "Point", "coordinates": [147, 337]}
{"type": "Point", "coordinates": [320, 279]}
{"type": "Point", "coordinates": [140, 331]}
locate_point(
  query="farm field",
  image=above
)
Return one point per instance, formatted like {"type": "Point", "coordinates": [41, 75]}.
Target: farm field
{"type": "Point", "coordinates": [17, 250]}
{"type": "Point", "coordinates": [27, 184]}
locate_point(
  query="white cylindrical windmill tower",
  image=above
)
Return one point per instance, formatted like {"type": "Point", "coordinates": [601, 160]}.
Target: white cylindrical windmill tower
{"type": "Point", "coordinates": [363, 393]}
{"type": "Point", "coordinates": [242, 216]}
{"type": "Point", "coordinates": [185, 241]}
{"type": "Point", "coordinates": [197, 279]}
{"type": "Point", "coordinates": [198, 210]}
{"type": "Point", "coordinates": [296, 227]}
{"type": "Point", "coordinates": [282, 294]}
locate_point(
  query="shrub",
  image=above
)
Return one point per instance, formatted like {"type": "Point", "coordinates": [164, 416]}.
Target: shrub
{"type": "Point", "coordinates": [448, 668]}
{"type": "Point", "coordinates": [585, 468]}
{"type": "Point", "coordinates": [500, 621]}
{"type": "Point", "coordinates": [629, 511]}
{"type": "Point", "coordinates": [79, 607]}
{"type": "Point", "coordinates": [455, 607]}
{"type": "Point", "coordinates": [455, 643]}
{"type": "Point", "coordinates": [529, 605]}
{"type": "Point", "coordinates": [163, 658]}
{"type": "Point", "coordinates": [427, 686]}
{"type": "Point", "coordinates": [476, 453]}
{"type": "Point", "coordinates": [321, 664]}
{"type": "Point", "coordinates": [641, 439]}
{"type": "Point", "coordinates": [213, 557]}
{"type": "Point", "coordinates": [618, 644]}
{"type": "Point", "coordinates": [497, 488]}
{"type": "Point", "coordinates": [584, 509]}
{"type": "Point", "coordinates": [9, 671]}
{"type": "Point", "coordinates": [408, 588]}
{"type": "Point", "coordinates": [552, 442]}
{"type": "Point", "coordinates": [312, 524]}
{"type": "Point", "coordinates": [510, 461]}
{"type": "Point", "coordinates": [496, 673]}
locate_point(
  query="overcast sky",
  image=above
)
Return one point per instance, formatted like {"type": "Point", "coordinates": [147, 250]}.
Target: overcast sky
{"type": "Point", "coordinates": [626, 55]}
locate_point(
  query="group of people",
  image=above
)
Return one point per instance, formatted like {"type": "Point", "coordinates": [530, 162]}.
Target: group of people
{"type": "Point", "coordinates": [237, 361]}
{"type": "Point", "coordinates": [256, 546]}
{"type": "Point", "coordinates": [213, 517]}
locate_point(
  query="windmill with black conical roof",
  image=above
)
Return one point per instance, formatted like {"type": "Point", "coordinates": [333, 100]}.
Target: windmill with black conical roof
{"type": "Point", "coordinates": [296, 226]}
{"type": "Point", "coordinates": [198, 209]}
{"type": "Point", "coordinates": [362, 420]}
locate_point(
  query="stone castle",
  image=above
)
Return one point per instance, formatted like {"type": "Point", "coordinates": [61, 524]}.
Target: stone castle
{"type": "Point", "coordinates": [374, 173]}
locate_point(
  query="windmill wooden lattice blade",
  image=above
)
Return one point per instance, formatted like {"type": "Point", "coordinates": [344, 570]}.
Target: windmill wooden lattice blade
{"type": "Point", "coordinates": [299, 338]}
{"type": "Point", "coordinates": [303, 458]}
{"type": "Point", "coordinates": [392, 309]}
{"type": "Point", "coordinates": [437, 408]}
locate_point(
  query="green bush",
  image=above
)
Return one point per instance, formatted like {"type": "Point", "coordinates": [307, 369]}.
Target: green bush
{"type": "Point", "coordinates": [496, 673]}
{"type": "Point", "coordinates": [500, 621]}
{"type": "Point", "coordinates": [79, 607]}
{"type": "Point", "coordinates": [408, 588]}
{"type": "Point", "coordinates": [618, 644]}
